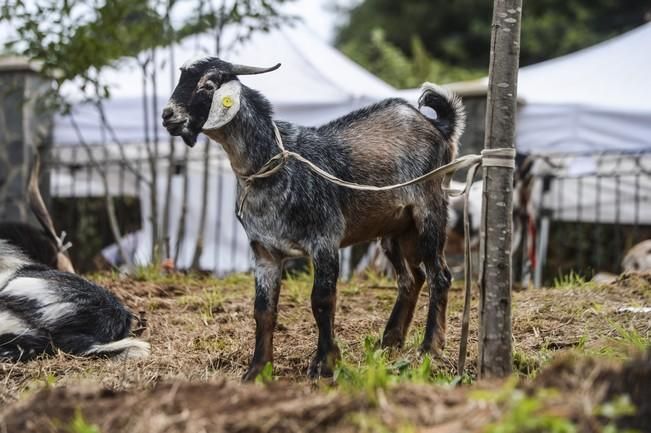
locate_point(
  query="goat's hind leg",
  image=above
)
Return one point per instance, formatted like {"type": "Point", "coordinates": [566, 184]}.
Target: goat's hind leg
{"type": "Point", "coordinates": [324, 298]}
{"type": "Point", "coordinates": [439, 279]}
{"type": "Point", "coordinates": [410, 279]}
{"type": "Point", "coordinates": [268, 273]}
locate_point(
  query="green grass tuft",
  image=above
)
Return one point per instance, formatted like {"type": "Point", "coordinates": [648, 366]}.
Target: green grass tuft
{"type": "Point", "coordinates": [266, 375]}
{"type": "Point", "coordinates": [571, 280]}
{"type": "Point", "coordinates": [376, 373]}
{"type": "Point", "coordinates": [80, 425]}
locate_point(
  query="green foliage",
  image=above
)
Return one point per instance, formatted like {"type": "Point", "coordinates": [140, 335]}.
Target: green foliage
{"type": "Point", "coordinates": [527, 365]}
{"type": "Point", "coordinates": [377, 373]}
{"type": "Point", "coordinates": [366, 423]}
{"type": "Point", "coordinates": [568, 281]}
{"type": "Point", "coordinates": [266, 375]}
{"type": "Point", "coordinates": [458, 33]}
{"type": "Point", "coordinates": [76, 39]}
{"type": "Point", "coordinates": [614, 409]}
{"type": "Point", "coordinates": [524, 413]}
{"type": "Point", "coordinates": [80, 425]}
{"type": "Point", "coordinates": [625, 344]}
{"type": "Point", "coordinates": [522, 417]}
{"type": "Point", "coordinates": [387, 61]}
{"type": "Point", "coordinates": [298, 286]}
{"type": "Point", "coordinates": [620, 344]}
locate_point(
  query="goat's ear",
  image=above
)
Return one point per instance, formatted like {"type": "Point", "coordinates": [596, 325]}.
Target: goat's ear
{"type": "Point", "coordinates": [225, 105]}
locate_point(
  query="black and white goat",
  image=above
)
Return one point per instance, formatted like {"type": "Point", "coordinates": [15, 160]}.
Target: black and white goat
{"type": "Point", "coordinates": [40, 245]}
{"type": "Point", "coordinates": [296, 213]}
{"type": "Point", "coordinates": [42, 310]}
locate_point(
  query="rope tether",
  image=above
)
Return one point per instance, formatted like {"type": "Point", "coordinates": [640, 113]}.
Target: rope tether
{"type": "Point", "coordinates": [500, 157]}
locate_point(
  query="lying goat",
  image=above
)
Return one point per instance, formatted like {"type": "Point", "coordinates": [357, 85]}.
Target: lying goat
{"type": "Point", "coordinates": [42, 310]}
{"type": "Point", "coordinates": [41, 246]}
{"type": "Point", "coordinates": [293, 212]}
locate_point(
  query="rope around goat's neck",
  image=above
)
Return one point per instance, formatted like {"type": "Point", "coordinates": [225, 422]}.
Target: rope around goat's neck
{"type": "Point", "coordinates": [500, 157]}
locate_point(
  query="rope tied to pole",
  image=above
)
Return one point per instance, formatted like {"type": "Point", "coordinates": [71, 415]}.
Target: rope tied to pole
{"type": "Point", "coordinates": [500, 157]}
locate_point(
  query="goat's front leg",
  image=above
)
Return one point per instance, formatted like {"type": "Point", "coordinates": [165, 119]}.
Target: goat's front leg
{"type": "Point", "coordinates": [324, 299]}
{"type": "Point", "coordinates": [268, 272]}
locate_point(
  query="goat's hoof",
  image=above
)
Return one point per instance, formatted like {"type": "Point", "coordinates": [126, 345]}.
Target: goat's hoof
{"type": "Point", "coordinates": [324, 365]}
{"type": "Point", "coordinates": [435, 348]}
{"type": "Point", "coordinates": [319, 369]}
{"type": "Point", "coordinates": [252, 373]}
{"type": "Point", "coordinates": [392, 339]}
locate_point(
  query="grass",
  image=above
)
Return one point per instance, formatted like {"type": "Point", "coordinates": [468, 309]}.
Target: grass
{"type": "Point", "coordinates": [622, 344]}
{"type": "Point", "coordinates": [570, 280]}
{"type": "Point", "coordinates": [298, 286]}
{"type": "Point", "coordinates": [202, 331]}
{"type": "Point", "coordinates": [80, 425]}
{"type": "Point", "coordinates": [366, 423]}
{"type": "Point", "coordinates": [376, 372]}
{"type": "Point", "coordinates": [524, 414]}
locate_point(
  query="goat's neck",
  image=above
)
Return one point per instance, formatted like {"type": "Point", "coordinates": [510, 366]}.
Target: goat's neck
{"type": "Point", "coordinates": [248, 141]}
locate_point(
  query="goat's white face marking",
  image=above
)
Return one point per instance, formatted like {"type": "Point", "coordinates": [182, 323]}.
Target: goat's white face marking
{"type": "Point", "coordinates": [225, 105]}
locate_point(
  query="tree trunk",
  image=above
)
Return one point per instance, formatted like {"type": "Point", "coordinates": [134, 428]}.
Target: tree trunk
{"type": "Point", "coordinates": [495, 356]}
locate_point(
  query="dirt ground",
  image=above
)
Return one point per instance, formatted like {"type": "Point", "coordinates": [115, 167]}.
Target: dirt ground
{"type": "Point", "coordinates": [201, 332]}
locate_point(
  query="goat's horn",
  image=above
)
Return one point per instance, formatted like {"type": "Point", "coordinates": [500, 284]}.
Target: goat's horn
{"type": "Point", "coordinates": [36, 201]}
{"type": "Point", "coordinates": [251, 70]}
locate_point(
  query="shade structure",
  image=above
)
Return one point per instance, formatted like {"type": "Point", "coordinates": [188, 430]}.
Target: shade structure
{"type": "Point", "coordinates": [594, 100]}
{"type": "Point", "coordinates": [315, 84]}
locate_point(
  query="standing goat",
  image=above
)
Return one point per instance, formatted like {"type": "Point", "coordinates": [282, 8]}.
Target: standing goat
{"type": "Point", "coordinates": [295, 213]}
{"type": "Point", "coordinates": [41, 246]}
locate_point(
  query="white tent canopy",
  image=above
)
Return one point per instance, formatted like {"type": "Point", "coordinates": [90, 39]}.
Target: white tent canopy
{"type": "Point", "coordinates": [315, 84]}
{"type": "Point", "coordinates": [594, 100]}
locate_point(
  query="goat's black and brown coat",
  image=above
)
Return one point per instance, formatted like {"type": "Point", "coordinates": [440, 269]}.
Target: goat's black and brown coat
{"type": "Point", "coordinates": [295, 212]}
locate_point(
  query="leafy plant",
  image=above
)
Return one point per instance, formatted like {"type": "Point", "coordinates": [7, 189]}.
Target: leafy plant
{"type": "Point", "coordinates": [614, 409]}
{"type": "Point", "coordinates": [266, 375]}
{"type": "Point", "coordinates": [524, 413]}
{"type": "Point", "coordinates": [376, 373]}
{"type": "Point", "coordinates": [80, 425]}
{"type": "Point", "coordinates": [569, 281]}
{"type": "Point", "coordinates": [77, 39]}
{"type": "Point", "coordinates": [456, 37]}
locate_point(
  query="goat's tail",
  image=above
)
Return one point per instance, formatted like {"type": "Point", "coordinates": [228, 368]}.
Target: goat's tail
{"type": "Point", "coordinates": [450, 118]}
{"type": "Point", "coordinates": [125, 348]}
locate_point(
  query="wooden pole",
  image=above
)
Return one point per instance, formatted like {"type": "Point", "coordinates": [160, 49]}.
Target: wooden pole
{"type": "Point", "coordinates": [495, 358]}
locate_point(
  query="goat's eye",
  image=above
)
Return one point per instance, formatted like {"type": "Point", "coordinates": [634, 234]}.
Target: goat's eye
{"type": "Point", "coordinates": [208, 86]}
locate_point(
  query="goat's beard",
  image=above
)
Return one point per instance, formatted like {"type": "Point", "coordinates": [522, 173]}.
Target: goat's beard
{"type": "Point", "coordinates": [189, 138]}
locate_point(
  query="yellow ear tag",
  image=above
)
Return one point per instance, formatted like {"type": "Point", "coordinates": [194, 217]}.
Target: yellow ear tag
{"type": "Point", "coordinates": [227, 101]}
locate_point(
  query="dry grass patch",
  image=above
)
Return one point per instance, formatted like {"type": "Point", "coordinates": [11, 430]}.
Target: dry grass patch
{"type": "Point", "coordinates": [201, 330]}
